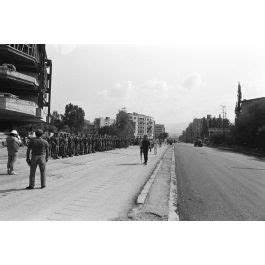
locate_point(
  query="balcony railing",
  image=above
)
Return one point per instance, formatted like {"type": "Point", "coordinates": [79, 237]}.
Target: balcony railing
{"type": "Point", "coordinates": [27, 49]}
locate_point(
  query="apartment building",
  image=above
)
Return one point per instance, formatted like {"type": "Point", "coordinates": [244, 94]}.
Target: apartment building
{"type": "Point", "coordinates": [25, 85]}
{"type": "Point", "coordinates": [143, 124]}
{"type": "Point", "coordinates": [101, 122]}
{"type": "Point", "coordinates": [159, 128]}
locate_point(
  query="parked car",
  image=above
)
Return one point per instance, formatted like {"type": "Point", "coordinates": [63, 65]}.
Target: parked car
{"type": "Point", "coordinates": [198, 143]}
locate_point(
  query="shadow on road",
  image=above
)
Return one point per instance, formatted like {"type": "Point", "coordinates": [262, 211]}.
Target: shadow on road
{"type": "Point", "coordinates": [250, 168]}
{"type": "Point", "coordinates": [10, 190]}
{"type": "Point", "coordinates": [132, 164]}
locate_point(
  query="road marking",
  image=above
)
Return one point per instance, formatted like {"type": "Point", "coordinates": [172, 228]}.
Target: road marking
{"type": "Point", "coordinates": [172, 203]}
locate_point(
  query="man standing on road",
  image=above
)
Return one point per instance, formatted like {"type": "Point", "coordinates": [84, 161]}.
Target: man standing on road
{"type": "Point", "coordinates": [145, 148]}
{"type": "Point", "coordinates": [39, 149]}
{"type": "Point", "coordinates": [12, 142]}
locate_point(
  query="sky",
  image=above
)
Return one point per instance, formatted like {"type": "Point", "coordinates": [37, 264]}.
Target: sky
{"type": "Point", "coordinates": [172, 59]}
{"type": "Point", "coordinates": [172, 83]}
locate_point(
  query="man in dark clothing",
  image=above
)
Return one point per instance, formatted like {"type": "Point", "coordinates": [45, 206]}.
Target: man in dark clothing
{"type": "Point", "coordinates": [39, 149]}
{"type": "Point", "coordinates": [145, 147]}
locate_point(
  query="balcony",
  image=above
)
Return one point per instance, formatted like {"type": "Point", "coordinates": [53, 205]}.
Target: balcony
{"type": "Point", "coordinates": [24, 56]}
{"type": "Point", "coordinates": [12, 108]}
{"type": "Point", "coordinates": [12, 80]}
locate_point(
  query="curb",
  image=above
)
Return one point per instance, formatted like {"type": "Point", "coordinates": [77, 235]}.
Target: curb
{"type": "Point", "coordinates": [142, 196]}
{"type": "Point", "coordinates": [172, 203]}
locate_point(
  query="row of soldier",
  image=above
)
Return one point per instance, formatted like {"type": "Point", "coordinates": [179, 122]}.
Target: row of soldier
{"type": "Point", "coordinates": [68, 145]}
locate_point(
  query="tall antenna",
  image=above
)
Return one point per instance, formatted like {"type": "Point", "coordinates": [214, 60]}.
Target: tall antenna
{"type": "Point", "coordinates": [223, 111]}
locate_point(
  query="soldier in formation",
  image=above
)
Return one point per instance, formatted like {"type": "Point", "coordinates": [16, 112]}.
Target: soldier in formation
{"type": "Point", "coordinates": [63, 145]}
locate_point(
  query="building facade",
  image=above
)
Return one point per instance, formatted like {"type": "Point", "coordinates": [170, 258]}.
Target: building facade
{"type": "Point", "coordinates": [197, 128]}
{"type": "Point", "coordinates": [101, 122]}
{"type": "Point", "coordinates": [159, 128]}
{"type": "Point", "coordinates": [89, 128]}
{"type": "Point", "coordinates": [142, 125]}
{"type": "Point", "coordinates": [247, 106]}
{"type": "Point", "coordinates": [205, 128]}
{"type": "Point", "coordinates": [25, 85]}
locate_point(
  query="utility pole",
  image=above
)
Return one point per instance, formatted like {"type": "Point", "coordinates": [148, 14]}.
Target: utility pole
{"type": "Point", "coordinates": [224, 117]}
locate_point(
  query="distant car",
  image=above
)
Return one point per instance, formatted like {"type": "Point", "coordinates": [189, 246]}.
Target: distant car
{"type": "Point", "coordinates": [198, 143]}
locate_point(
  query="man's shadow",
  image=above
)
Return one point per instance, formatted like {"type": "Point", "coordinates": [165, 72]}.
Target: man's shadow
{"type": "Point", "coordinates": [11, 190]}
{"type": "Point", "coordinates": [131, 164]}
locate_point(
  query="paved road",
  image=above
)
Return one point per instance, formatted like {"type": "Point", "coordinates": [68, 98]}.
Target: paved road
{"type": "Point", "coordinates": [101, 186]}
{"type": "Point", "coordinates": [219, 185]}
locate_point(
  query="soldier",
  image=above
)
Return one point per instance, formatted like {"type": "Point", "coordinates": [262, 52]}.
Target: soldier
{"type": "Point", "coordinates": [72, 145]}
{"type": "Point", "coordinates": [89, 144]}
{"type": "Point", "coordinates": [93, 144]}
{"type": "Point", "coordinates": [111, 142]}
{"type": "Point", "coordinates": [55, 146]}
{"type": "Point", "coordinates": [96, 143]}
{"type": "Point", "coordinates": [81, 146]}
{"type": "Point", "coordinates": [64, 145]}
{"type": "Point", "coordinates": [60, 145]}
{"type": "Point", "coordinates": [69, 146]}
{"type": "Point", "coordinates": [99, 143]}
{"type": "Point", "coordinates": [106, 142]}
{"type": "Point", "coordinates": [76, 140]}
{"type": "Point", "coordinates": [48, 139]}
{"type": "Point", "coordinates": [86, 144]}
{"type": "Point", "coordinates": [102, 143]}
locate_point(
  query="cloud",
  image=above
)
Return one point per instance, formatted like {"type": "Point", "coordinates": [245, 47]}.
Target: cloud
{"type": "Point", "coordinates": [153, 97]}
{"type": "Point", "coordinates": [192, 81]}
{"type": "Point", "coordinates": [165, 101]}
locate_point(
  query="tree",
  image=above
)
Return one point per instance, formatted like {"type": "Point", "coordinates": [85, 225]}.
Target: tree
{"type": "Point", "coordinates": [57, 120]}
{"type": "Point", "coordinates": [163, 135]}
{"type": "Point", "coordinates": [74, 117]}
{"type": "Point", "coordinates": [123, 124]}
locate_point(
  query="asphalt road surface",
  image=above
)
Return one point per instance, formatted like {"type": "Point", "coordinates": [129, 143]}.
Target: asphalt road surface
{"type": "Point", "coordinates": [219, 185]}
{"type": "Point", "coordinates": [100, 186]}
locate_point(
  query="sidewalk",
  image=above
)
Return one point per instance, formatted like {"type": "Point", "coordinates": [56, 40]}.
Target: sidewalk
{"type": "Point", "coordinates": [156, 205]}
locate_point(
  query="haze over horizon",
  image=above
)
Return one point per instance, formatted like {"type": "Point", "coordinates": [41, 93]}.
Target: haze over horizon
{"type": "Point", "coordinates": [173, 84]}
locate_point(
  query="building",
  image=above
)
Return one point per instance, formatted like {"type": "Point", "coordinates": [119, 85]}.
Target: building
{"type": "Point", "coordinates": [218, 131]}
{"type": "Point", "coordinates": [197, 128]}
{"type": "Point", "coordinates": [245, 108]}
{"type": "Point", "coordinates": [159, 128]}
{"type": "Point", "coordinates": [25, 85]}
{"type": "Point", "coordinates": [89, 128]}
{"type": "Point", "coordinates": [142, 125]}
{"type": "Point", "coordinates": [101, 122]}
{"type": "Point", "coordinates": [204, 128]}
